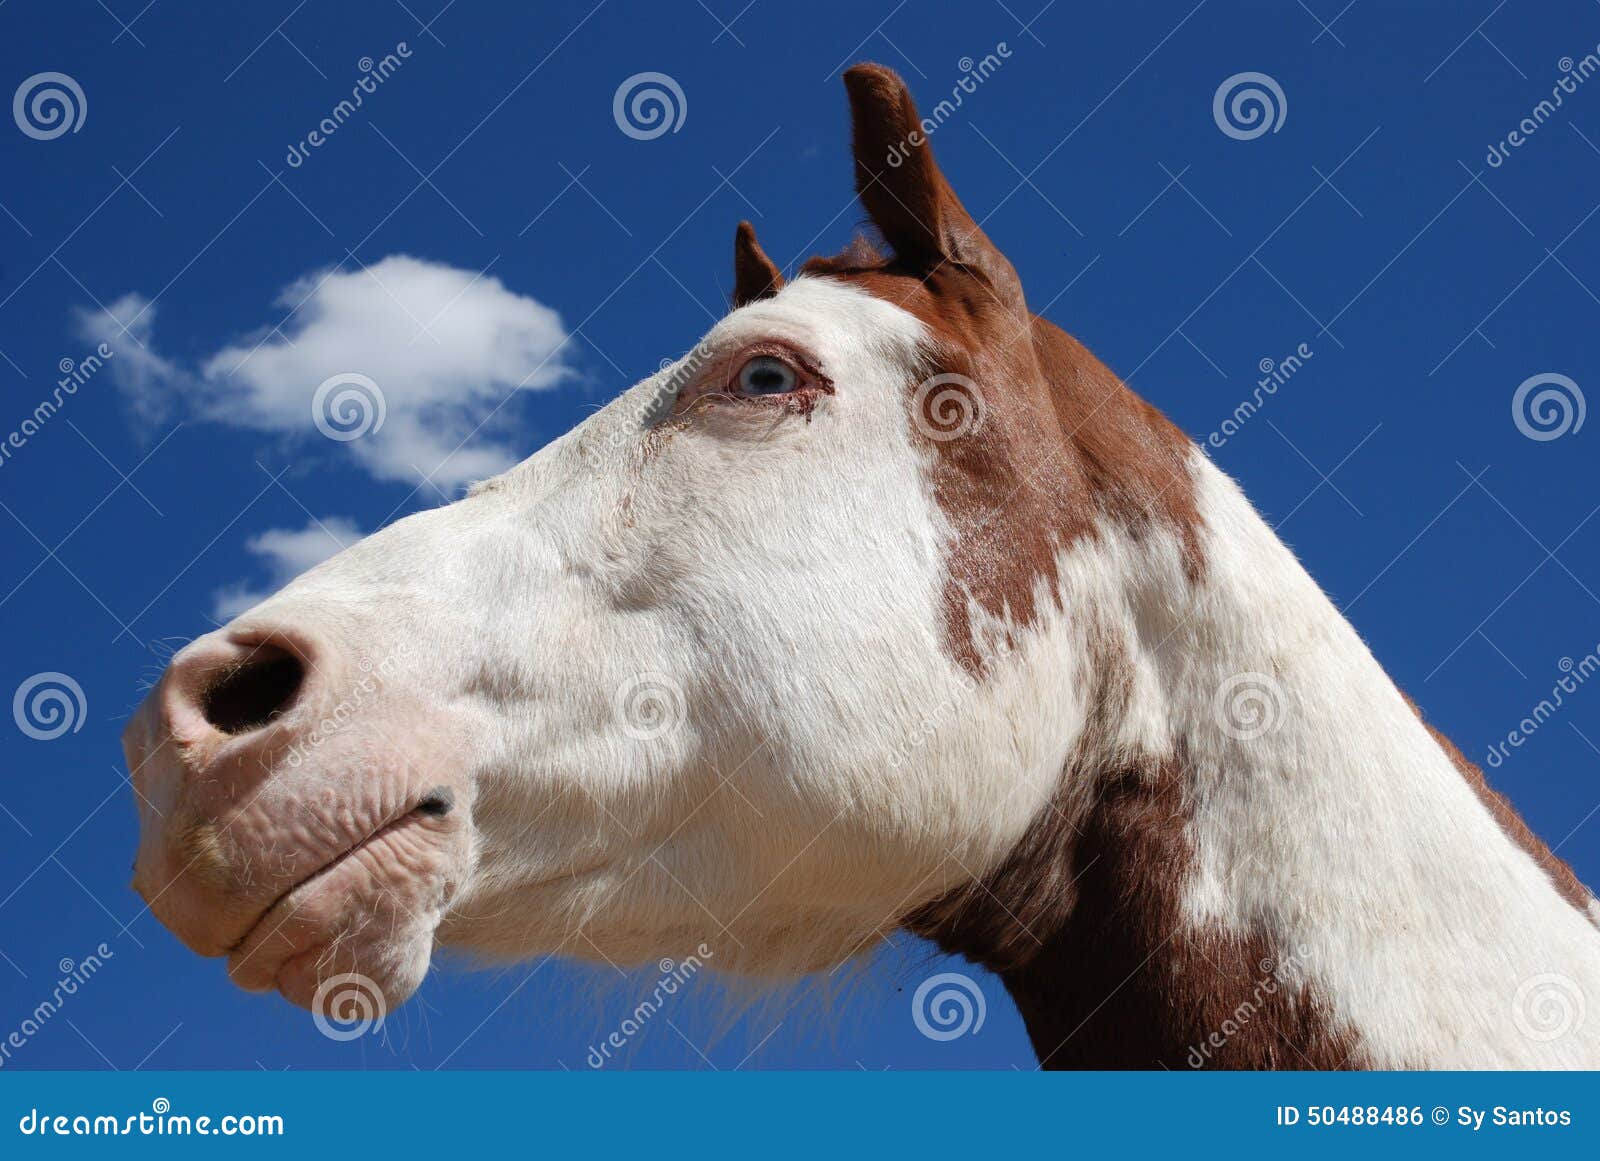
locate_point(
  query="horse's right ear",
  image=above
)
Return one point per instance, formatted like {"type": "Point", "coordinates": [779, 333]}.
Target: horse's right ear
{"type": "Point", "coordinates": [904, 192]}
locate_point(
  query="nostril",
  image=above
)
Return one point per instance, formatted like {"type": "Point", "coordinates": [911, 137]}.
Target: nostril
{"type": "Point", "coordinates": [438, 802]}
{"type": "Point", "coordinates": [250, 695]}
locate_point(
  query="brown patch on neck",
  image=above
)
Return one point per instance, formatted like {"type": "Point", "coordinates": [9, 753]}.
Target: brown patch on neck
{"type": "Point", "coordinates": [1561, 877]}
{"type": "Point", "coordinates": [1084, 924]}
{"type": "Point", "coordinates": [1047, 443]}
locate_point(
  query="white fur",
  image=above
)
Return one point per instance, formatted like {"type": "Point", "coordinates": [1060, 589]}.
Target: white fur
{"type": "Point", "coordinates": [1347, 835]}
{"type": "Point", "coordinates": [1343, 835]}
{"type": "Point", "coordinates": [776, 577]}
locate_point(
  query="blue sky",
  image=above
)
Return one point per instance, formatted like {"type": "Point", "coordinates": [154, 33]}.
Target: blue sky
{"type": "Point", "coordinates": [487, 172]}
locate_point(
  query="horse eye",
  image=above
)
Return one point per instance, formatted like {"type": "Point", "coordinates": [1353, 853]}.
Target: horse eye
{"type": "Point", "coordinates": [765, 375]}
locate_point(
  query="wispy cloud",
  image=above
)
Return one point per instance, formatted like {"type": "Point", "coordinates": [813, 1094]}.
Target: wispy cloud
{"type": "Point", "coordinates": [286, 552]}
{"type": "Point", "coordinates": [444, 346]}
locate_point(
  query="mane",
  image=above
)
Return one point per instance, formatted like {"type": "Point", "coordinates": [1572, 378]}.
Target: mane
{"type": "Point", "coordinates": [862, 253]}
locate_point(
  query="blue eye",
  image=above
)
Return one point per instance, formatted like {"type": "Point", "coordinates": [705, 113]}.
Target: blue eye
{"type": "Point", "coordinates": [765, 375]}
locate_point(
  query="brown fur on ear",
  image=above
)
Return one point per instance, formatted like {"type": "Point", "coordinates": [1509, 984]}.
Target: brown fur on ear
{"type": "Point", "coordinates": [755, 276]}
{"type": "Point", "coordinates": [904, 192]}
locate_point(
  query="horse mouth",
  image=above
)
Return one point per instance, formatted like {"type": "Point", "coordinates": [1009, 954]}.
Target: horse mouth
{"type": "Point", "coordinates": [370, 863]}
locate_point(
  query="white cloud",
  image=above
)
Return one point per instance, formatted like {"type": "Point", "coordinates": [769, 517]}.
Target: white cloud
{"type": "Point", "coordinates": [148, 380]}
{"type": "Point", "coordinates": [444, 346]}
{"type": "Point", "coordinates": [287, 552]}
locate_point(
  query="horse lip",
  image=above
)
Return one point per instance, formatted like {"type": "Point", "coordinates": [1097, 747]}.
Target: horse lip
{"type": "Point", "coordinates": [423, 809]}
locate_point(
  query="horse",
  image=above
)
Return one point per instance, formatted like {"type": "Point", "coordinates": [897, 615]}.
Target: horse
{"type": "Point", "coordinates": [886, 608]}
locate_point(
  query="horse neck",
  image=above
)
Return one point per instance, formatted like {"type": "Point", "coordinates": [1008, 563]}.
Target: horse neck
{"type": "Point", "coordinates": [1326, 884]}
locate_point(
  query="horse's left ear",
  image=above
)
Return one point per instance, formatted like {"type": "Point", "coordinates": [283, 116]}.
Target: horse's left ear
{"type": "Point", "coordinates": [904, 191]}
{"type": "Point", "coordinates": [755, 276]}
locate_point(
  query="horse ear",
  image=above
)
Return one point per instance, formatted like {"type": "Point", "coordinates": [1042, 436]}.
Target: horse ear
{"type": "Point", "coordinates": [903, 190]}
{"type": "Point", "coordinates": [755, 276]}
